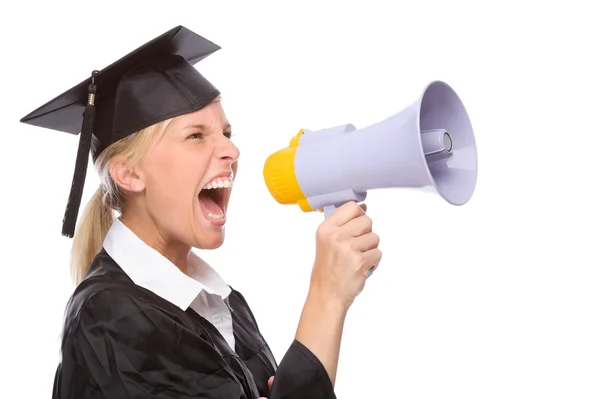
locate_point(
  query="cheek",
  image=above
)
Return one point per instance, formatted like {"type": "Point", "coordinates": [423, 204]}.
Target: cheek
{"type": "Point", "coordinates": [168, 189]}
{"type": "Point", "coordinates": [173, 183]}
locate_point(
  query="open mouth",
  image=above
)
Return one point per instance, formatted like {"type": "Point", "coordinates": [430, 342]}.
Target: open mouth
{"type": "Point", "coordinates": [212, 198]}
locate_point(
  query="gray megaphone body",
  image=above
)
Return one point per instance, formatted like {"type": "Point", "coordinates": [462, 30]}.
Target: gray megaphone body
{"type": "Point", "coordinates": [428, 145]}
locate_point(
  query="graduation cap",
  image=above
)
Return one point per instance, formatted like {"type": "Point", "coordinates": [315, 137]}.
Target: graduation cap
{"type": "Point", "coordinates": [157, 81]}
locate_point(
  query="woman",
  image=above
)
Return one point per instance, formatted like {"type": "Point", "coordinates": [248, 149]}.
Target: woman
{"type": "Point", "coordinates": [150, 319]}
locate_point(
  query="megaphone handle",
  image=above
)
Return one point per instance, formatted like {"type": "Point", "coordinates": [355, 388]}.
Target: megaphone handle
{"type": "Point", "coordinates": [328, 210]}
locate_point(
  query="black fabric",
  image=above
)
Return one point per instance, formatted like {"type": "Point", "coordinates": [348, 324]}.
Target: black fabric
{"type": "Point", "coordinates": [154, 82]}
{"type": "Point", "coordinates": [81, 162]}
{"type": "Point", "coordinates": [123, 341]}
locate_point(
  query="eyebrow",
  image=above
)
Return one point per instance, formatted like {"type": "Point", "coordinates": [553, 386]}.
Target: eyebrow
{"type": "Point", "coordinates": [204, 127]}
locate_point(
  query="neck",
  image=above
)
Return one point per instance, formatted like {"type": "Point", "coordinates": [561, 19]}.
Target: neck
{"type": "Point", "coordinates": [176, 252]}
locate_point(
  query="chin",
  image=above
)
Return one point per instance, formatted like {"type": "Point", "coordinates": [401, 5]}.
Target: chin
{"type": "Point", "coordinates": [209, 241]}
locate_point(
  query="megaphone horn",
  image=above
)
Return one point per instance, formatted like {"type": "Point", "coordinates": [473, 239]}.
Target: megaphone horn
{"type": "Point", "coordinates": [429, 144]}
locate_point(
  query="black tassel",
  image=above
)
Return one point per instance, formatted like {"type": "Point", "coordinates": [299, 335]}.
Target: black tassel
{"type": "Point", "coordinates": [81, 163]}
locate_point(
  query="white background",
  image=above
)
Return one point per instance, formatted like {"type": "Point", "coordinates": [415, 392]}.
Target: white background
{"type": "Point", "coordinates": [499, 298]}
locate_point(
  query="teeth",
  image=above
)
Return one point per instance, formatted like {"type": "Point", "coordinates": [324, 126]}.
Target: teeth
{"type": "Point", "coordinates": [215, 216]}
{"type": "Point", "coordinates": [222, 182]}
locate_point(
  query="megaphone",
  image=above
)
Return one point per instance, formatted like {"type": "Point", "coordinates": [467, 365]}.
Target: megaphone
{"type": "Point", "coordinates": [429, 145]}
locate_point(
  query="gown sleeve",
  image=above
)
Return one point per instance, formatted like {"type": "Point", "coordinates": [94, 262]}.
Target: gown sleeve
{"type": "Point", "coordinates": [301, 375]}
{"type": "Point", "coordinates": [122, 347]}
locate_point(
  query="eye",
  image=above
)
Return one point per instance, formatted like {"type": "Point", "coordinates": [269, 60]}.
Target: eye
{"type": "Point", "coordinates": [195, 136]}
{"type": "Point", "coordinates": [229, 135]}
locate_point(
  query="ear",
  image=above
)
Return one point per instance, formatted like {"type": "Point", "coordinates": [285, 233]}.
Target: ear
{"type": "Point", "coordinates": [126, 175]}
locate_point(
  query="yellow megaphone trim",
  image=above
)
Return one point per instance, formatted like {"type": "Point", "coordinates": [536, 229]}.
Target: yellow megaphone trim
{"type": "Point", "coordinates": [280, 176]}
{"type": "Point", "coordinates": [295, 141]}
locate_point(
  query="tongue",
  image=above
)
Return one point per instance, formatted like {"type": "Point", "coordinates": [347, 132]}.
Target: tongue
{"type": "Point", "coordinates": [209, 204]}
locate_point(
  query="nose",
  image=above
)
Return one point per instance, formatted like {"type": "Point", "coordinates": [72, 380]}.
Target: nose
{"type": "Point", "coordinates": [227, 151]}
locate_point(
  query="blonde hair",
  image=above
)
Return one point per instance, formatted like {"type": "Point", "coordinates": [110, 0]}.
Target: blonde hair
{"type": "Point", "coordinates": [99, 213]}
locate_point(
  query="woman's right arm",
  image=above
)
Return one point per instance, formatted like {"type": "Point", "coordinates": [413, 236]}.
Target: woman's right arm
{"type": "Point", "coordinates": [320, 329]}
{"type": "Point", "coordinates": [121, 346]}
{"type": "Point", "coordinates": [346, 249]}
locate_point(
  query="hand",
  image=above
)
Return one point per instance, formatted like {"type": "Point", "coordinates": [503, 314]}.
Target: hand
{"type": "Point", "coordinates": [270, 386]}
{"type": "Point", "coordinates": [346, 248]}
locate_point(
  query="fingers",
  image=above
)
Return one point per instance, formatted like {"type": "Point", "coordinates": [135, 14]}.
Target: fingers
{"type": "Point", "coordinates": [372, 259]}
{"type": "Point", "coordinates": [358, 226]}
{"type": "Point", "coordinates": [365, 242]}
{"type": "Point", "coordinates": [345, 213]}
{"type": "Point", "coordinates": [270, 383]}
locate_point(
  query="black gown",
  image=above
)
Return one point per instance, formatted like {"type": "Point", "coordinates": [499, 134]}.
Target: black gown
{"type": "Point", "coordinates": [123, 341]}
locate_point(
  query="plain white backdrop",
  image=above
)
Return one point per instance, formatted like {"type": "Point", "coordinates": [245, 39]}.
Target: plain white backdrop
{"type": "Point", "coordinates": [499, 298]}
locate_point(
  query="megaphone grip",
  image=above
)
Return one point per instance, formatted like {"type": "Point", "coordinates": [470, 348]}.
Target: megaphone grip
{"type": "Point", "coordinates": [328, 210]}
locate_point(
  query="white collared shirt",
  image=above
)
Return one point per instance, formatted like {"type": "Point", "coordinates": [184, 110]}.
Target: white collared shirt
{"type": "Point", "coordinates": [203, 290]}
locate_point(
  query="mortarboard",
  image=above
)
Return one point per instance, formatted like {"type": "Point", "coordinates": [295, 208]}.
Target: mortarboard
{"type": "Point", "coordinates": [155, 82]}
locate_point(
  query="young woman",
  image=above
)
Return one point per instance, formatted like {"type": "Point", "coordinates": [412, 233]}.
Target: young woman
{"type": "Point", "coordinates": [149, 318]}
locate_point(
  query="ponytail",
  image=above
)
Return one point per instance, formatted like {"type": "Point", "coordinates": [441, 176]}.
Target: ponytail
{"type": "Point", "coordinates": [98, 216]}
{"type": "Point", "coordinates": [89, 236]}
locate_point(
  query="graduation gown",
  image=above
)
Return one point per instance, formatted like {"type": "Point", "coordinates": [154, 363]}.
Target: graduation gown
{"type": "Point", "coordinates": [123, 341]}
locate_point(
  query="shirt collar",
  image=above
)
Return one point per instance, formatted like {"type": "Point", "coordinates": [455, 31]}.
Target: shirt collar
{"type": "Point", "coordinates": [148, 268]}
